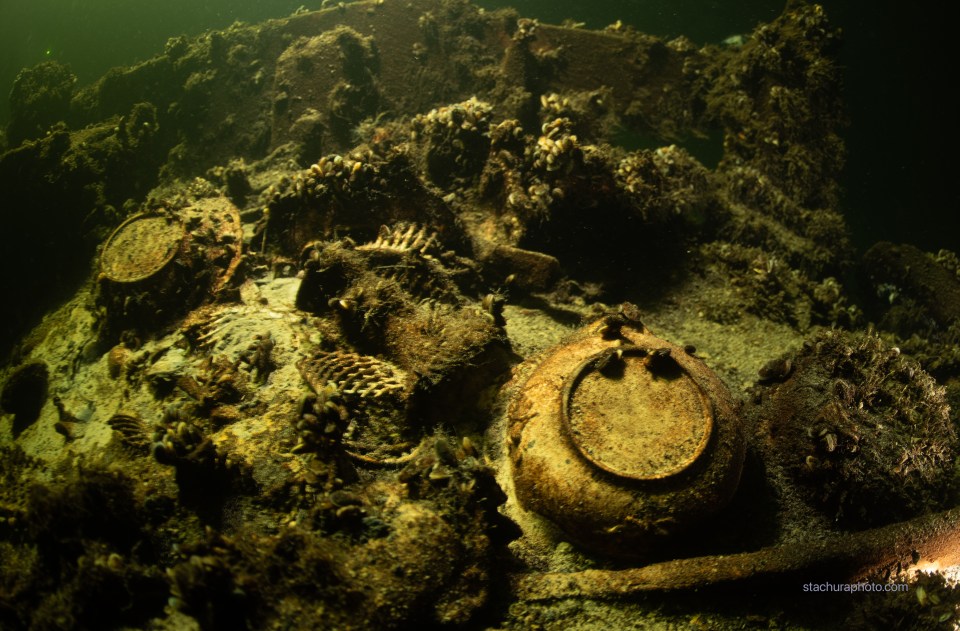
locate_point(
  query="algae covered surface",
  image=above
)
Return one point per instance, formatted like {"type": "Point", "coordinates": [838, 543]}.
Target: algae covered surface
{"type": "Point", "coordinates": [300, 274]}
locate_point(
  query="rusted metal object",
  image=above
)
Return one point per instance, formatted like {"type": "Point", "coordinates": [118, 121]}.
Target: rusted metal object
{"type": "Point", "coordinates": [933, 539]}
{"type": "Point", "coordinates": [623, 439]}
{"type": "Point", "coordinates": [156, 265]}
{"type": "Point", "coordinates": [632, 419]}
{"type": "Point", "coordinates": [140, 248]}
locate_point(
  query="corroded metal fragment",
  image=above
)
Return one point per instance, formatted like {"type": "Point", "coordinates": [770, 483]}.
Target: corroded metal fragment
{"type": "Point", "coordinates": [353, 374]}
{"type": "Point", "coordinates": [842, 558]}
{"type": "Point", "coordinates": [405, 237]}
{"type": "Point", "coordinates": [157, 265]}
{"type": "Point", "coordinates": [377, 393]}
{"type": "Point", "coordinates": [132, 431]}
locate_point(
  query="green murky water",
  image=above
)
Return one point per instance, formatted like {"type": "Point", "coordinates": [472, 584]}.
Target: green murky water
{"type": "Point", "coordinates": [899, 141]}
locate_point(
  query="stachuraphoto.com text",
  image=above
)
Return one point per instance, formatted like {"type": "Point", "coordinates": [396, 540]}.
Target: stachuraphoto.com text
{"type": "Point", "coordinates": [855, 587]}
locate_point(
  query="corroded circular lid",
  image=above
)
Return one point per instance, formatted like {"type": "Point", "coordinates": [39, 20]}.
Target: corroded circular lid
{"type": "Point", "coordinates": [140, 247]}
{"type": "Point", "coordinates": [636, 413]}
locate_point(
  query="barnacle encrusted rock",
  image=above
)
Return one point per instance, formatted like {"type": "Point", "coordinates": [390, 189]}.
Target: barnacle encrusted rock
{"type": "Point", "coordinates": [864, 432]}
{"type": "Point", "coordinates": [456, 139]}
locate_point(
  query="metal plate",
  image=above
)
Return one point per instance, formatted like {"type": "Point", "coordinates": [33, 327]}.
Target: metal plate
{"type": "Point", "coordinates": [636, 416]}
{"type": "Point", "coordinates": [140, 247]}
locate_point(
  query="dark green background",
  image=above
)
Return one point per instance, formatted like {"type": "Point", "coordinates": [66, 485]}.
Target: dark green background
{"type": "Point", "coordinates": [900, 182]}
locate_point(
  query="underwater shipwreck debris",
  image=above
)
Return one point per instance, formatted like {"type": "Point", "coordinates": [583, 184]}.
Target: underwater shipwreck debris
{"type": "Point", "coordinates": [371, 217]}
{"type": "Point", "coordinates": [381, 430]}
{"type": "Point", "coordinates": [934, 538]}
{"type": "Point", "coordinates": [404, 298]}
{"type": "Point", "coordinates": [156, 266]}
{"type": "Point", "coordinates": [623, 439]}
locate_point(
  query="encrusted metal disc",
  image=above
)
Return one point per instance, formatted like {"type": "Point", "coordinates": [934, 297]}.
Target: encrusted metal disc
{"type": "Point", "coordinates": [140, 247]}
{"type": "Point", "coordinates": [636, 414]}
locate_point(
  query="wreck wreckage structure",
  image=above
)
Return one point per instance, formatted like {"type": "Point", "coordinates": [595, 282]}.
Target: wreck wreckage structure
{"type": "Point", "coordinates": [358, 331]}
